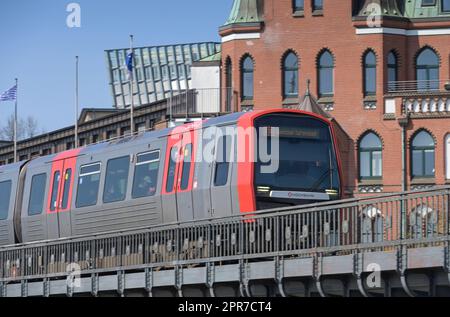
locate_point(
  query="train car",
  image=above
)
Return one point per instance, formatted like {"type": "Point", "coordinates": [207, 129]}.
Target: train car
{"type": "Point", "coordinates": [166, 176]}
{"type": "Point", "coordinates": [9, 186]}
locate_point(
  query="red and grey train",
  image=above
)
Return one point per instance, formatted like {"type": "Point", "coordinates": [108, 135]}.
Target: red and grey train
{"type": "Point", "coordinates": [160, 177]}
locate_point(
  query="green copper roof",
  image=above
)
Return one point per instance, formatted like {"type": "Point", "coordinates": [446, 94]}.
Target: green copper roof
{"type": "Point", "coordinates": [403, 8]}
{"type": "Point", "coordinates": [388, 8]}
{"type": "Point", "coordinates": [246, 11]}
{"type": "Point", "coordinates": [415, 9]}
{"type": "Point", "coordinates": [212, 58]}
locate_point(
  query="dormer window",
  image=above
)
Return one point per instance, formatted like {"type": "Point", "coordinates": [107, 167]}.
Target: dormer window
{"type": "Point", "coordinates": [428, 3]}
{"type": "Point", "coordinates": [446, 6]}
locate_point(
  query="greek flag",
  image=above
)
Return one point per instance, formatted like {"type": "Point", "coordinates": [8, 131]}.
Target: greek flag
{"type": "Point", "coordinates": [9, 95]}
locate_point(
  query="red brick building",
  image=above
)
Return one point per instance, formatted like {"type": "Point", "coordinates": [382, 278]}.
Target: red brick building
{"type": "Point", "coordinates": [381, 68]}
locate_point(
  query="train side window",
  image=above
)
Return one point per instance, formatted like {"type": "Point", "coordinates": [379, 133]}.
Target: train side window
{"type": "Point", "coordinates": [222, 161]}
{"type": "Point", "coordinates": [116, 179]}
{"type": "Point", "coordinates": [145, 179]}
{"type": "Point", "coordinates": [5, 197]}
{"type": "Point", "coordinates": [171, 170]}
{"type": "Point", "coordinates": [67, 182]}
{"type": "Point", "coordinates": [88, 183]}
{"type": "Point", "coordinates": [56, 179]}
{"type": "Point", "coordinates": [187, 162]}
{"type": "Point", "coordinates": [37, 193]}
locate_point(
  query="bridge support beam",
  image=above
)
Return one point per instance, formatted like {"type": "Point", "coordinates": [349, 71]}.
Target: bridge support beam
{"type": "Point", "coordinates": [3, 289]}
{"type": "Point", "coordinates": [179, 280]}
{"type": "Point", "coordinates": [244, 287]}
{"type": "Point", "coordinates": [405, 285]}
{"type": "Point", "coordinates": [24, 288]}
{"type": "Point", "coordinates": [402, 267]}
{"type": "Point", "coordinates": [149, 281]}
{"type": "Point", "coordinates": [94, 285]}
{"type": "Point", "coordinates": [46, 286]}
{"type": "Point", "coordinates": [121, 283]}
{"type": "Point", "coordinates": [387, 287]}
{"type": "Point", "coordinates": [357, 272]}
{"type": "Point", "coordinates": [318, 261]}
{"type": "Point", "coordinates": [447, 260]}
{"type": "Point", "coordinates": [279, 276]}
{"type": "Point", "coordinates": [432, 289]}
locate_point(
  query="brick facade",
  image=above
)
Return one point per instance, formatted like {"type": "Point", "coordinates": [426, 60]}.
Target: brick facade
{"type": "Point", "coordinates": [335, 28]}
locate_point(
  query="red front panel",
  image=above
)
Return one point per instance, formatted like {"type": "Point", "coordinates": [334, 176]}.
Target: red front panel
{"type": "Point", "coordinates": [246, 154]}
{"type": "Point", "coordinates": [246, 157]}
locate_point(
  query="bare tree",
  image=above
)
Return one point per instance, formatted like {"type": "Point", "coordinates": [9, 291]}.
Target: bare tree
{"type": "Point", "coordinates": [27, 128]}
{"type": "Point", "coordinates": [31, 127]}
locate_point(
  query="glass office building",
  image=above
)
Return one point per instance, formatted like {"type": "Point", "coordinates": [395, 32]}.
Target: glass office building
{"type": "Point", "coordinates": [159, 71]}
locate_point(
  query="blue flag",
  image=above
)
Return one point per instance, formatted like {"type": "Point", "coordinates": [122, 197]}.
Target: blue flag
{"type": "Point", "coordinates": [129, 64]}
{"type": "Point", "coordinates": [9, 95]}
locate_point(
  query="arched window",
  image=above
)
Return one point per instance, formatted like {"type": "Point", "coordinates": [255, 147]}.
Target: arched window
{"type": "Point", "coordinates": [370, 74]}
{"type": "Point", "coordinates": [370, 157]}
{"type": "Point", "coordinates": [228, 84]}
{"type": "Point", "coordinates": [299, 5]}
{"type": "Point", "coordinates": [290, 76]}
{"type": "Point", "coordinates": [427, 70]}
{"type": "Point", "coordinates": [326, 74]}
{"type": "Point", "coordinates": [247, 72]}
{"type": "Point", "coordinates": [423, 155]}
{"type": "Point", "coordinates": [392, 66]}
{"type": "Point", "coordinates": [317, 5]}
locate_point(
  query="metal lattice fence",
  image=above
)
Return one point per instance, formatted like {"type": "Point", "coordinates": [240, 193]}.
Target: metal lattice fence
{"type": "Point", "coordinates": [419, 217]}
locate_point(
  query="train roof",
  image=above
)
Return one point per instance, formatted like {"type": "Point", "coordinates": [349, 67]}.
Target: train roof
{"type": "Point", "coordinates": [154, 135]}
{"type": "Point", "coordinates": [136, 140]}
{"type": "Point", "coordinates": [11, 167]}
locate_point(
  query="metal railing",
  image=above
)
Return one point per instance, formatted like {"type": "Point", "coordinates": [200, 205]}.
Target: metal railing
{"type": "Point", "coordinates": [201, 101]}
{"type": "Point", "coordinates": [421, 86]}
{"type": "Point", "coordinates": [420, 218]}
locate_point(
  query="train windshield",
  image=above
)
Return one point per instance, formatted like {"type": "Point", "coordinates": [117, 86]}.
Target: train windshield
{"type": "Point", "coordinates": [307, 166]}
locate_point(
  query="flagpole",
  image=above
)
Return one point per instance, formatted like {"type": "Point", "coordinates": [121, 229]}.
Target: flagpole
{"type": "Point", "coordinates": [76, 101]}
{"type": "Point", "coordinates": [131, 86]}
{"type": "Point", "coordinates": [15, 122]}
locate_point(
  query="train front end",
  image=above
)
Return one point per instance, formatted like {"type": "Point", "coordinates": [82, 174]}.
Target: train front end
{"type": "Point", "coordinates": [295, 161]}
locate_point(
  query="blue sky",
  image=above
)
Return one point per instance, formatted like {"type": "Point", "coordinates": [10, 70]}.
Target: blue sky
{"type": "Point", "coordinates": [38, 47]}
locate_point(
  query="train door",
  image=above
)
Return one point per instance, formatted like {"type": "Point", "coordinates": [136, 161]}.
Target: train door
{"type": "Point", "coordinates": [60, 198]}
{"type": "Point", "coordinates": [221, 198]}
{"type": "Point", "coordinates": [53, 199]}
{"type": "Point", "coordinates": [201, 190]}
{"type": "Point", "coordinates": [34, 216]}
{"type": "Point", "coordinates": [185, 176]}
{"type": "Point", "coordinates": [65, 197]}
{"type": "Point", "coordinates": [170, 175]}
